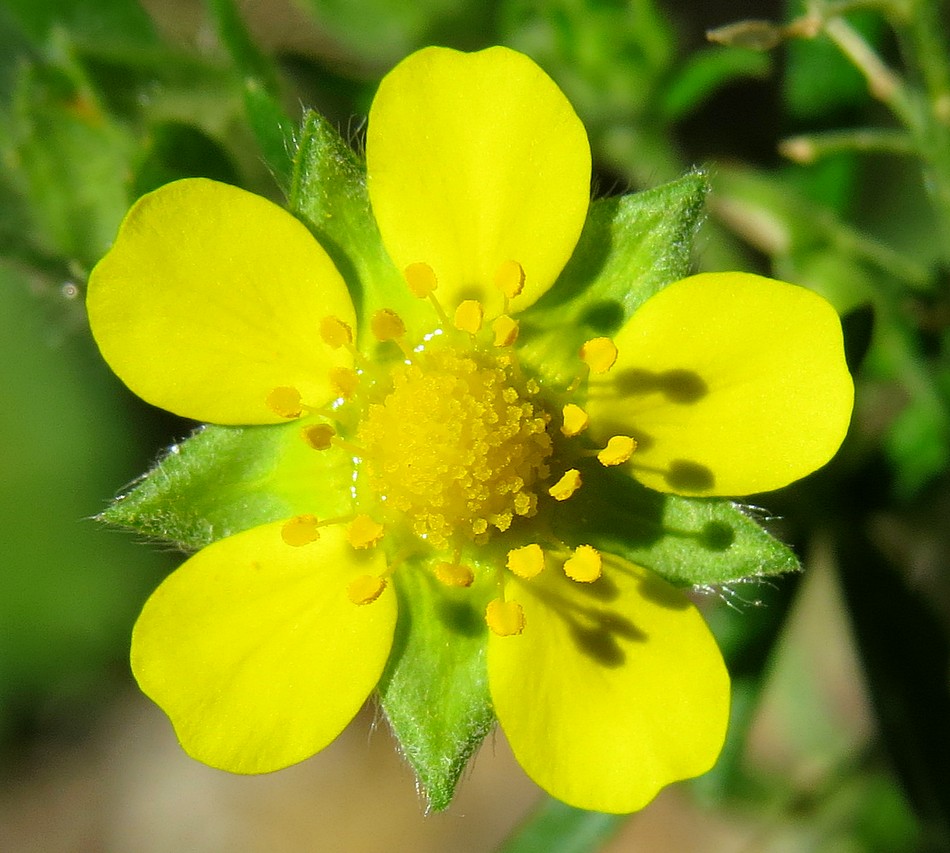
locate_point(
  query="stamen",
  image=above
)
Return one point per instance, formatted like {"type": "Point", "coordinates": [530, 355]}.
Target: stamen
{"type": "Point", "coordinates": [335, 332]}
{"type": "Point", "coordinates": [599, 354]}
{"type": "Point", "coordinates": [469, 316]}
{"type": "Point", "coordinates": [300, 530]}
{"type": "Point", "coordinates": [505, 618]}
{"type": "Point", "coordinates": [618, 450]}
{"type": "Point", "coordinates": [509, 279]}
{"type": "Point", "coordinates": [454, 574]}
{"type": "Point", "coordinates": [526, 562]}
{"type": "Point", "coordinates": [584, 565]}
{"type": "Point", "coordinates": [505, 330]}
{"type": "Point", "coordinates": [344, 381]}
{"type": "Point", "coordinates": [364, 532]}
{"type": "Point", "coordinates": [387, 325]}
{"type": "Point", "coordinates": [318, 436]}
{"type": "Point", "coordinates": [566, 486]}
{"type": "Point", "coordinates": [285, 401]}
{"type": "Point", "coordinates": [421, 279]}
{"type": "Point", "coordinates": [575, 420]}
{"type": "Point", "coordinates": [365, 589]}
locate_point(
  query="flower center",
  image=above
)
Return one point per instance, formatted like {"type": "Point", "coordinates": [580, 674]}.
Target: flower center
{"type": "Point", "coordinates": [458, 445]}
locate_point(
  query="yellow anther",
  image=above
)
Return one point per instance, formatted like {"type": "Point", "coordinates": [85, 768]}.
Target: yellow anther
{"type": "Point", "coordinates": [566, 486]}
{"type": "Point", "coordinates": [365, 589]}
{"type": "Point", "coordinates": [618, 450]}
{"type": "Point", "coordinates": [364, 532]}
{"type": "Point", "coordinates": [526, 562]}
{"type": "Point", "coordinates": [575, 420]}
{"type": "Point", "coordinates": [509, 278]}
{"type": "Point", "coordinates": [469, 316]}
{"type": "Point", "coordinates": [300, 530]}
{"type": "Point", "coordinates": [421, 279]}
{"type": "Point", "coordinates": [387, 325]}
{"type": "Point", "coordinates": [505, 330]}
{"type": "Point", "coordinates": [344, 380]}
{"type": "Point", "coordinates": [318, 436]}
{"type": "Point", "coordinates": [285, 401]}
{"type": "Point", "coordinates": [599, 354]}
{"type": "Point", "coordinates": [335, 332]}
{"type": "Point", "coordinates": [452, 574]}
{"type": "Point", "coordinates": [584, 565]}
{"type": "Point", "coordinates": [505, 618]}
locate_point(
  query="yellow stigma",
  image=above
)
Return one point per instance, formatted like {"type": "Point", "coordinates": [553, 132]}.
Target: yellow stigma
{"type": "Point", "coordinates": [599, 354]}
{"type": "Point", "coordinates": [583, 565]}
{"type": "Point", "coordinates": [618, 450]}
{"type": "Point", "coordinates": [318, 436]}
{"type": "Point", "coordinates": [569, 483]}
{"type": "Point", "coordinates": [453, 574]}
{"type": "Point", "coordinates": [505, 330]}
{"type": "Point", "coordinates": [509, 278]}
{"type": "Point", "coordinates": [505, 618]}
{"type": "Point", "coordinates": [285, 401]}
{"type": "Point", "coordinates": [468, 316]}
{"type": "Point", "coordinates": [300, 530]}
{"type": "Point", "coordinates": [455, 447]}
{"type": "Point", "coordinates": [421, 279]}
{"type": "Point", "coordinates": [526, 562]}
{"type": "Point", "coordinates": [387, 325]}
{"type": "Point", "coordinates": [575, 420]}
{"type": "Point", "coordinates": [364, 532]}
{"type": "Point", "coordinates": [366, 589]}
{"type": "Point", "coordinates": [335, 333]}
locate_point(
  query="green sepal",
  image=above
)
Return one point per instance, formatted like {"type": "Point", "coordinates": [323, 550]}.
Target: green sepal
{"type": "Point", "coordinates": [435, 689]}
{"type": "Point", "coordinates": [631, 247]}
{"type": "Point", "coordinates": [687, 541]}
{"type": "Point", "coordinates": [223, 480]}
{"type": "Point", "coordinates": [328, 193]}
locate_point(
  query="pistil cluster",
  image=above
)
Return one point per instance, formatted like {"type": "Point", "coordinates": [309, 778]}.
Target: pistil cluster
{"type": "Point", "coordinates": [452, 444]}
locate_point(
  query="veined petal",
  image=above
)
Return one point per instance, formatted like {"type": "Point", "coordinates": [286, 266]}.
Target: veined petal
{"type": "Point", "coordinates": [731, 384]}
{"type": "Point", "coordinates": [256, 653]}
{"type": "Point", "coordinates": [212, 297]}
{"type": "Point", "coordinates": [613, 690]}
{"type": "Point", "coordinates": [475, 160]}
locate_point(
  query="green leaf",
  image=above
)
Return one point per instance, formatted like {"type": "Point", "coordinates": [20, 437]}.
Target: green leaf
{"type": "Point", "coordinates": [558, 828]}
{"type": "Point", "coordinates": [704, 72]}
{"type": "Point", "coordinates": [435, 690]}
{"type": "Point", "coordinates": [272, 127]}
{"type": "Point", "coordinates": [688, 541]}
{"type": "Point", "coordinates": [224, 480]}
{"type": "Point", "coordinates": [90, 21]}
{"type": "Point", "coordinates": [74, 161]}
{"type": "Point", "coordinates": [328, 192]}
{"type": "Point", "coordinates": [631, 247]}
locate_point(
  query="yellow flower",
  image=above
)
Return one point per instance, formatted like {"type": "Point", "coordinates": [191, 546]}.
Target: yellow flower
{"type": "Point", "coordinates": [458, 449]}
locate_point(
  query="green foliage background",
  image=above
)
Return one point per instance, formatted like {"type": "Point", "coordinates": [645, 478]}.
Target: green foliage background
{"type": "Point", "coordinates": [102, 100]}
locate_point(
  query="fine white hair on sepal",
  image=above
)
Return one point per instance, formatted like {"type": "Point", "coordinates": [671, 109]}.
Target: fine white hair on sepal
{"type": "Point", "coordinates": [731, 594]}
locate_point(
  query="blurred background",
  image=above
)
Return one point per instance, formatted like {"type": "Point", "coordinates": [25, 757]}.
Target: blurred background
{"type": "Point", "coordinates": [827, 137]}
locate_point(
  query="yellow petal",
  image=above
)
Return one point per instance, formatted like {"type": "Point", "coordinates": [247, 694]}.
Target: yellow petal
{"type": "Point", "coordinates": [476, 162]}
{"type": "Point", "coordinates": [730, 383]}
{"type": "Point", "coordinates": [255, 651]}
{"type": "Point", "coordinates": [212, 297]}
{"type": "Point", "coordinates": [613, 689]}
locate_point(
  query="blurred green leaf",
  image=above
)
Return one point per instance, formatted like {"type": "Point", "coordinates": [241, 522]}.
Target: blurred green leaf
{"type": "Point", "coordinates": [90, 21]}
{"type": "Point", "coordinates": [69, 590]}
{"type": "Point", "coordinates": [172, 151]}
{"type": "Point", "coordinates": [558, 828]}
{"type": "Point", "coordinates": [705, 71]}
{"type": "Point", "coordinates": [73, 160]}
